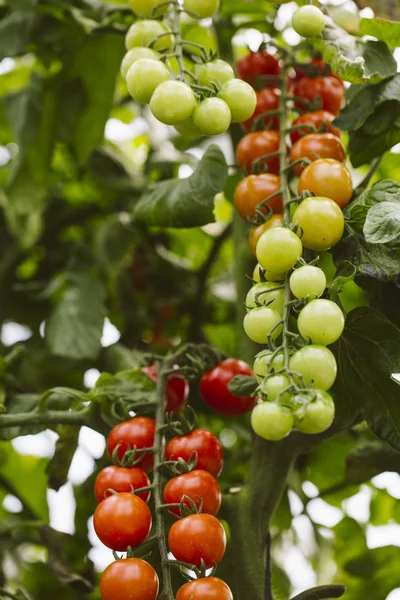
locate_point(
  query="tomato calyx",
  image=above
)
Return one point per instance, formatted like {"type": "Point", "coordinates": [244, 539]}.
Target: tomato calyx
{"type": "Point", "coordinates": [132, 457]}
{"type": "Point", "coordinates": [181, 466]}
{"type": "Point", "coordinates": [187, 506]}
{"type": "Point", "coordinates": [183, 423]}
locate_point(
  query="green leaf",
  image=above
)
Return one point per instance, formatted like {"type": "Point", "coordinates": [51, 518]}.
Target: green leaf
{"type": "Point", "coordinates": [16, 33]}
{"type": "Point", "coordinates": [59, 465]}
{"type": "Point", "coordinates": [185, 202]}
{"type": "Point", "coordinates": [114, 242]}
{"type": "Point", "coordinates": [323, 591]}
{"type": "Point", "coordinates": [382, 224]}
{"type": "Point", "coordinates": [364, 147]}
{"type": "Point", "coordinates": [369, 459]}
{"type": "Point", "coordinates": [388, 31]}
{"type": "Point", "coordinates": [386, 190]}
{"type": "Point", "coordinates": [243, 385]}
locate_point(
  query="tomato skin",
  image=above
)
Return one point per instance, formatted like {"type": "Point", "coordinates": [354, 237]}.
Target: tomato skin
{"type": "Point", "coordinates": [256, 65]}
{"type": "Point", "coordinates": [321, 222]}
{"type": "Point", "coordinates": [328, 177]}
{"type": "Point", "coordinates": [122, 520]}
{"type": "Point", "coordinates": [272, 421]}
{"type": "Point", "coordinates": [308, 21]}
{"type": "Point", "coordinates": [177, 390]}
{"type": "Point", "coordinates": [315, 146]}
{"type": "Point", "coordinates": [255, 145]}
{"type": "Point", "coordinates": [253, 189]}
{"type": "Point", "coordinates": [138, 432]}
{"type": "Point", "coordinates": [129, 579]}
{"type": "Point", "coordinates": [321, 321]}
{"type": "Point", "coordinates": [198, 537]}
{"type": "Point", "coordinates": [120, 480]}
{"type": "Point", "coordinates": [330, 89]}
{"type": "Point", "coordinates": [256, 232]}
{"type": "Point", "coordinates": [196, 485]}
{"type": "Point", "coordinates": [207, 588]}
{"type": "Point", "coordinates": [208, 447]}
{"type": "Point", "coordinates": [215, 392]}
{"type": "Point", "coordinates": [316, 118]}
{"type": "Point", "coordinates": [267, 100]}
{"type": "Point", "coordinates": [318, 415]}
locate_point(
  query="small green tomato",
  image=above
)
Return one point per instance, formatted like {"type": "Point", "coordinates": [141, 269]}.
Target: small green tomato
{"type": "Point", "coordinates": [308, 21]}
{"type": "Point", "coordinates": [272, 421]}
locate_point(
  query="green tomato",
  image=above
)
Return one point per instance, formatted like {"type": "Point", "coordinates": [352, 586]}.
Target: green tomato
{"type": "Point", "coordinates": [188, 129]}
{"type": "Point", "coordinates": [321, 221]}
{"type": "Point", "coordinates": [278, 250]}
{"type": "Point", "coordinates": [212, 116]}
{"type": "Point", "coordinates": [259, 322]}
{"type": "Point", "coordinates": [142, 33]}
{"type": "Point", "coordinates": [317, 416]}
{"type": "Point", "coordinates": [200, 35]}
{"type": "Point", "coordinates": [316, 364]}
{"type": "Point", "coordinates": [308, 21]}
{"type": "Point", "coordinates": [223, 209]}
{"type": "Point", "coordinates": [216, 71]}
{"type": "Point", "coordinates": [174, 65]}
{"type": "Point", "coordinates": [308, 281]}
{"type": "Point", "coordinates": [145, 8]}
{"type": "Point", "coordinates": [173, 102]}
{"type": "Point", "coordinates": [272, 421]}
{"type": "Point", "coordinates": [275, 385]}
{"type": "Point", "coordinates": [266, 294]}
{"type": "Point", "coordinates": [133, 55]}
{"type": "Point", "coordinates": [202, 8]}
{"type": "Point", "coordinates": [321, 321]}
{"type": "Point", "coordinates": [144, 77]}
{"type": "Point", "coordinates": [263, 364]}
{"type": "Point", "coordinates": [241, 99]}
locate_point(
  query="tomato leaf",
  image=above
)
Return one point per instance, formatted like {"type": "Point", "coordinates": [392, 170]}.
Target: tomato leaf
{"type": "Point", "coordinates": [369, 459]}
{"type": "Point", "coordinates": [388, 31]}
{"type": "Point", "coordinates": [382, 224]}
{"type": "Point", "coordinates": [323, 591]}
{"type": "Point", "coordinates": [243, 385]}
{"type": "Point", "coordinates": [59, 465]}
{"type": "Point", "coordinates": [16, 32]}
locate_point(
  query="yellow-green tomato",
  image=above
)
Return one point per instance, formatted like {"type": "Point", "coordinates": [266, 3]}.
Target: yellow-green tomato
{"type": "Point", "coordinates": [145, 8]}
{"type": "Point", "coordinates": [173, 102]}
{"type": "Point", "coordinates": [241, 99]}
{"type": "Point", "coordinates": [216, 71]}
{"type": "Point", "coordinates": [316, 364]}
{"type": "Point", "coordinates": [259, 322]}
{"type": "Point", "coordinates": [278, 250]}
{"type": "Point", "coordinates": [212, 116]}
{"type": "Point", "coordinates": [142, 33]}
{"type": "Point", "coordinates": [133, 55]}
{"type": "Point", "coordinates": [266, 294]}
{"type": "Point", "coordinates": [275, 385]}
{"type": "Point", "coordinates": [188, 129]}
{"type": "Point", "coordinates": [317, 416]}
{"type": "Point", "coordinates": [144, 77]}
{"type": "Point", "coordinates": [264, 364]}
{"type": "Point", "coordinates": [321, 322]}
{"type": "Point", "coordinates": [307, 282]}
{"type": "Point", "coordinates": [202, 8]}
{"type": "Point", "coordinates": [321, 221]}
{"type": "Point", "coordinates": [308, 21]}
{"type": "Point", "coordinates": [272, 421]}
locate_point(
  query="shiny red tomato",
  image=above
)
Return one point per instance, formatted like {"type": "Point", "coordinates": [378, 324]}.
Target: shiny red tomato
{"type": "Point", "coordinates": [207, 588]}
{"type": "Point", "coordinates": [197, 485]}
{"type": "Point", "coordinates": [267, 100]}
{"type": "Point", "coordinates": [316, 67]}
{"type": "Point", "coordinates": [256, 232]}
{"type": "Point", "coordinates": [255, 145]}
{"type": "Point", "coordinates": [316, 119]}
{"type": "Point", "coordinates": [122, 520]}
{"type": "Point", "coordinates": [255, 68]}
{"type": "Point", "coordinates": [120, 480]}
{"type": "Point", "coordinates": [207, 446]}
{"type": "Point", "coordinates": [330, 90]}
{"type": "Point", "coordinates": [177, 390]}
{"type": "Point", "coordinates": [196, 538]}
{"type": "Point", "coordinates": [129, 579]}
{"type": "Point", "coordinates": [214, 388]}
{"type": "Point", "coordinates": [315, 146]}
{"type": "Point", "coordinates": [252, 190]}
{"type": "Point", "coordinates": [137, 433]}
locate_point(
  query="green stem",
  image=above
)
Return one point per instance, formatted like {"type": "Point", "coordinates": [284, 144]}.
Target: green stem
{"type": "Point", "coordinates": [176, 10]}
{"type": "Point", "coordinates": [49, 417]}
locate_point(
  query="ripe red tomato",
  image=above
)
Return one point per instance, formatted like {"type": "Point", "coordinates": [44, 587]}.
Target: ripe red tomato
{"type": "Point", "coordinates": [316, 118]}
{"type": "Point", "coordinates": [267, 100]}
{"type": "Point", "coordinates": [317, 67]}
{"type": "Point", "coordinates": [197, 485]}
{"type": "Point", "coordinates": [177, 390]}
{"type": "Point", "coordinates": [330, 89]}
{"type": "Point", "coordinates": [254, 66]}
{"type": "Point", "coordinates": [129, 579]}
{"type": "Point", "coordinates": [122, 520]}
{"type": "Point", "coordinates": [214, 388]}
{"type": "Point", "coordinates": [315, 146]}
{"type": "Point", "coordinates": [120, 480]}
{"type": "Point", "coordinates": [198, 537]}
{"type": "Point", "coordinates": [136, 433]}
{"type": "Point", "coordinates": [256, 232]}
{"type": "Point", "coordinates": [207, 588]}
{"type": "Point", "coordinates": [258, 144]}
{"type": "Point", "coordinates": [207, 446]}
{"type": "Point", "coordinates": [254, 189]}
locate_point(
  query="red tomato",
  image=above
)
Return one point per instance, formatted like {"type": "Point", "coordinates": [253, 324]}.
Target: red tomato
{"type": "Point", "coordinates": [120, 480]}
{"type": "Point", "coordinates": [254, 189]}
{"type": "Point", "coordinates": [207, 446]}
{"type": "Point", "coordinates": [256, 232]}
{"type": "Point", "coordinates": [329, 89]}
{"type": "Point", "coordinates": [317, 68]}
{"type": "Point", "coordinates": [122, 520]}
{"type": "Point", "coordinates": [255, 145]}
{"type": "Point", "coordinates": [267, 100]}
{"type": "Point", "coordinates": [198, 537]}
{"type": "Point", "coordinates": [129, 579]}
{"type": "Point", "coordinates": [207, 588]}
{"type": "Point", "coordinates": [253, 67]}
{"type": "Point", "coordinates": [214, 388]}
{"type": "Point", "coordinates": [137, 433]}
{"type": "Point", "coordinates": [316, 119]}
{"type": "Point", "coordinates": [197, 485]}
{"type": "Point", "coordinates": [177, 390]}
{"type": "Point", "coordinates": [315, 146]}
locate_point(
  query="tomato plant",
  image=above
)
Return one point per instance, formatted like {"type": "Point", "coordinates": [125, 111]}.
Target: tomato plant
{"type": "Point", "coordinates": [259, 68]}
{"type": "Point", "coordinates": [137, 433]}
{"type": "Point", "coordinates": [327, 91]}
{"type": "Point", "coordinates": [129, 579]}
{"type": "Point", "coordinates": [199, 486]}
{"type": "Point", "coordinates": [196, 539]}
{"type": "Point", "coordinates": [313, 122]}
{"type": "Point", "coordinates": [120, 479]}
{"type": "Point", "coordinates": [214, 388]}
{"type": "Point", "coordinates": [177, 391]}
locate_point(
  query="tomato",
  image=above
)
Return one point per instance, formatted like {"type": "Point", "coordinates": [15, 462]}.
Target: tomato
{"type": "Point", "coordinates": [196, 538]}
{"type": "Point", "coordinates": [173, 102]}
{"type": "Point", "coordinates": [207, 446]}
{"type": "Point", "coordinates": [259, 322]}
{"type": "Point", "coordinates": [202, 8]}
{"type": "Point", "coordinates": [133, 55]}
{"type": "Point", "coordinates": [321, 221]}
{"type": "Point", "coordinates": [272, 421]}
{"type": "Point", "coordinates": [197, 485]}
{"type": "Point", "coordinates": [315, 146]}
{"type": "Point", "coordinates": [240, 97]}
{"type": "Point", "coordinates": [145, 8]}
{"type": "Point", "coordinates": [142, 33]}
{"type": "Point", "coordinates": [266, 294]}
{"type": "Point", "coordinates": [264, 365]}
{"type": "Point", "coordinates": [137, 433]}
{"type": "Point", "coordinates": [188, 129]}
{"type": "Point", "coordinates": [308, 21]}
{"type": "Point", "coordinates": [253, 189]}
{"type": "Point", "coordinates": [122, 520]}
{"type": "Point", "coordinates": [316, 119]}
{"type": "Point", "coordinates": [308, 281]}
{"type": "Point", "coordinates": [256, 145]}
{"type": "Point", "coordinates": [321, 322]}
{"type": "Point", "coordinates": [317, 416]}
{"type": "Point", "coordinates": [267, 100]}
{"type": "Point", "coordinates": [315, 68]}
{"type": "Point", "coordinates": [214, 388]}
{"type": "Point", "coordinates": [254, 68]}
{"type": "Point", "coordinates": [278, 250]}
{"type": "Point", "coordinates": [120, 480]}
{"type": "Point", "coordinates": [330, 90]}
{"type": "Point", "coordinates": [256, 232]}
{"type": "Point", "coordinates": [216, 71]}
{"type": "Point", "coordinates": [328, 177]}
{"type": "Point", "coordinates": [207, 588]}
{"type": "Point", "coordinates": [177, 391]}
{"type": "Point", "coordinates": [316, 364]}
{"type": "Point", "coordinates": [129, 579]}
{"type": "Point", "coordinates": [144, 76]}
{"type": "Point", "coordinates": [275, 385]}
{"type": "Point", "coordinates": [212, 116]}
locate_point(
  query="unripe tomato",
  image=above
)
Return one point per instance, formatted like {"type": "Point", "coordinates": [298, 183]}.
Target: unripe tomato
{"type": "Point", "coordinates": [196, 538]}
{"type": "Point", "coordinates": [321, 322]}
{"type": "Point", "coordinates": [136, 433]}
{"type": "Point", "coordinates": [214, 388]}
{"type": "Point", "coordinates": [177, 391]}
{"type": "Point", "coordinates": [145, 8]}
{"type": "Point", "coordinates": [255, 145]}
{"type": "Point", "coordinates": [328, 177]}
{"type": "Point", "coordinates": [308, 21]}
{"type": "Point", "coordinates": [200, 486]}
{"type": "Point", "coordinates": [317, 416]}
{"type": "Point", "coordinates": [307, 282]}
{"type": "Point", "coordinates": [264, 363]}
{"type": "Point", "coordinates": [256, 232]}
{"type": "Point", "coordinates": [267, 100]}
{"type": "Point", "coordinates": [272, 421]}
{"type": "Point", "coordinates": [121, 479]}
{"type": "Point", "coordinates": [278, 250]}
{"type": "Point", "coordinates": [259, 323]}
{"type": "Point", "coordinates": [129, 579]}
{"type": "Point", "coordinates": [253, 67]}
{"type": "Point", "coordinates": [252, 190]}
{"type": "Point", "coordinates": [266, 294]}
{"type": "Point", "coordinates": [142, 33]}
{"type": "Point", "coordinates": [202, 8]}
{"type": "Point", "coordinates": [321, 221]}
{"type": "Point", "coordinates": [205, 444]}
{"type": "Point", "coordinates": [143, 78]}
{"type": "Point", "coordinates": [315, 146]}
{"type": "Point", "coordinates": [212, 116]}
{"type": "Point", "coordinates": [268, 276]}
{"type": "Point", "coordinates": [316, 364]}
{"type": "Point", "coordinates": [274, 387]}
{"type": "Point", "coordinates": [240, 97]}
{"type": "Point", "coordinates": [206, 588]}
{"type": "Point", "coordinates": [216, 71]}
{"type": "Point", "coordinates": [188, 129]}
{"type": "Point", "coordinates": [330, 90]}
{"type": "Point", "coordinates": [135, 54]}
{"type": "Point", "coordinates": [173, 102]}
{"type": "Point", "coordinates": [316, 119]}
